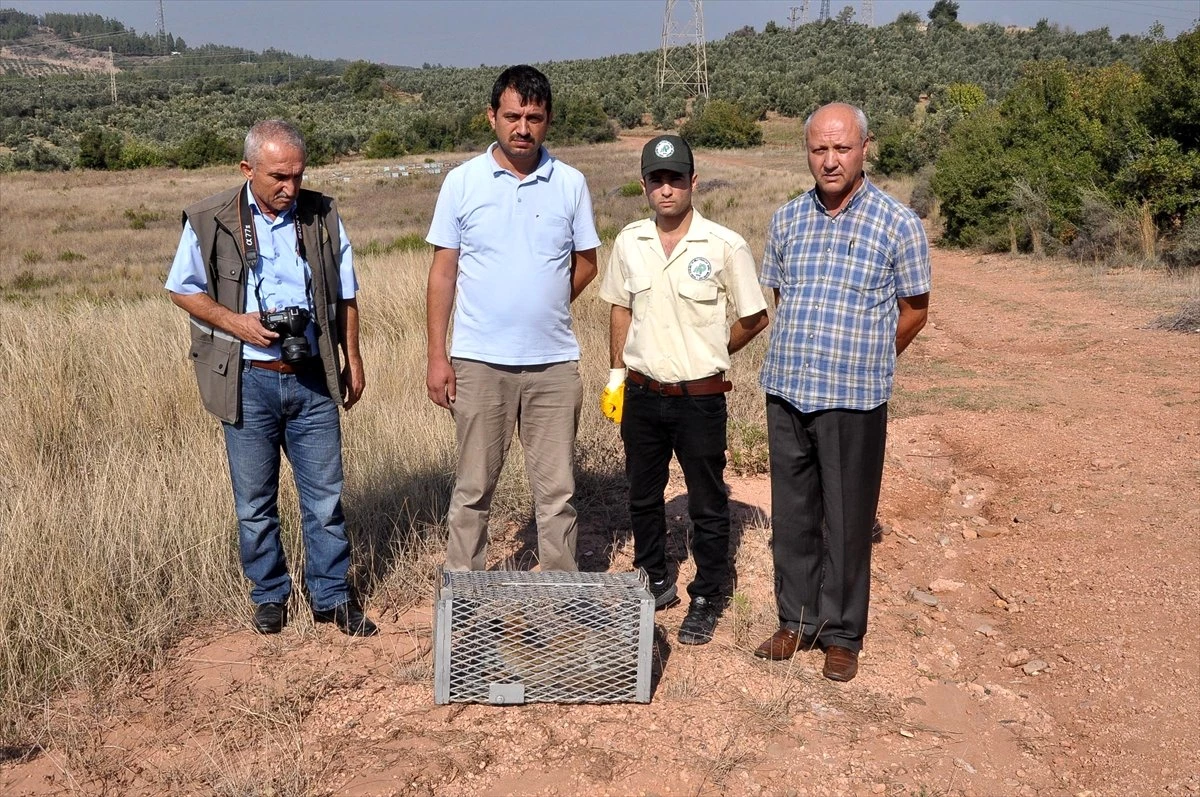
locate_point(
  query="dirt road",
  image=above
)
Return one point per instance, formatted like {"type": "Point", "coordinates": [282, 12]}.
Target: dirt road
{"type": "Point", "coordinates": [1033, 630]}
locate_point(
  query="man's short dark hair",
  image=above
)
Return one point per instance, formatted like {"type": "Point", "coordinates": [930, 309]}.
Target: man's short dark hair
{"type": "Point", "coordinates": [532, 86]}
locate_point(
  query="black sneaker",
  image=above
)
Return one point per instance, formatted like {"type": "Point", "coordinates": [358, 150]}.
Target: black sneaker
{"type": "Point", "coordinates": [664, 593]}
{"type": "Point", "coordinates": [700, 622]}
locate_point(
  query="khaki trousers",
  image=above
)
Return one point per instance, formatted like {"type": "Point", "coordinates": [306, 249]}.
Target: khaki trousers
{"type": "Point", "coordinates": [542, 402]}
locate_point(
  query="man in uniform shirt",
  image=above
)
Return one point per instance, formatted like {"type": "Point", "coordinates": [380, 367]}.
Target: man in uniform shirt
{"type": "Point", "coordinates": [849, 266]}
{"type": "Point", "coordinates": [275, 379]}
{"type": "Point", "coordinates": [669, 281]}
{"type": "Point", "coordinates": [514, 244]}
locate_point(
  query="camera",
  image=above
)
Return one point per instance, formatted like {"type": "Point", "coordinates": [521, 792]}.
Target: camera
{"type": "Point", "coordinates": [290, 324]}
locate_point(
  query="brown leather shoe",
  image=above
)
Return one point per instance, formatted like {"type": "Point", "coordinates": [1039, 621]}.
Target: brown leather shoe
{"type": "Point", "coordinates": [782, 645]}
{"type": "Point", "coordinates": [841, 664]}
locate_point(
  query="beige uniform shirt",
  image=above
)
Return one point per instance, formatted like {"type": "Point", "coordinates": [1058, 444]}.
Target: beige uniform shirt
{"type": "Point", "coordinates": [680, 330]}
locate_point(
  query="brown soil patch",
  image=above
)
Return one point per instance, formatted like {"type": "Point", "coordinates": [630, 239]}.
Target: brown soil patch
{"type": "Point", "coordinates": [1041, 485]}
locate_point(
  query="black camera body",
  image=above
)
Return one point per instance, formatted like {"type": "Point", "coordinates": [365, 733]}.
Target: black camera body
{"type": "Point", "coordinates": [290, 324]}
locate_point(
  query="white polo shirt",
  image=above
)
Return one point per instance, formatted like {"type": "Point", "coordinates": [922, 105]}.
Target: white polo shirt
{"type": "Point", "coordinates": [514, 239]}
{"type": "Point", "coordinates": [680, 330]}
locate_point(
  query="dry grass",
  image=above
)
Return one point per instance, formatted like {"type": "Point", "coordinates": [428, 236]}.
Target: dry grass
{"type": "Point", "coordinates": [116, 526]}
{"type": "Point", "coordinates": [115, 515]}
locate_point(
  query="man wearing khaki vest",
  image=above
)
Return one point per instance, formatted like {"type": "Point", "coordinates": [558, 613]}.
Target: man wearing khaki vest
{"type": "Point", "coordinates": [266, 273]}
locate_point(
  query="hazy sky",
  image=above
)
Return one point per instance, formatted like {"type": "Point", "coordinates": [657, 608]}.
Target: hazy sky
{"type": "Point", "coordinates": [494, 32]}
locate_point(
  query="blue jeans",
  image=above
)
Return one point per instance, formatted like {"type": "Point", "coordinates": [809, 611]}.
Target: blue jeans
{"type": "Point", "coordinates": [292, 413]}
{"type": "Point", "coordinates": [693, 428]}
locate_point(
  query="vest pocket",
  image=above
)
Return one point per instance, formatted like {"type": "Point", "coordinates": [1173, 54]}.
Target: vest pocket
{"type": "Point", "coordinates": [216, 357]}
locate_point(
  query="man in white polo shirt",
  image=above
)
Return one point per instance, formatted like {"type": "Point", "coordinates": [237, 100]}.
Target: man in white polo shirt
{"type": "Point", "coordinates": [514, 243]}
{"type": "Point", "coordinates": [669, 281]}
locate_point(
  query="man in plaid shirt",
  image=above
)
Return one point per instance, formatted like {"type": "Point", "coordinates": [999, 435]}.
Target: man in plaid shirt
{"type": "Point", "coordinates": [849, 267]}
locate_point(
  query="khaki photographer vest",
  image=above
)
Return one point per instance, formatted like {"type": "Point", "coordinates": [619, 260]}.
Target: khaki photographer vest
{"type": "Point", "coordinates": [217, 355]}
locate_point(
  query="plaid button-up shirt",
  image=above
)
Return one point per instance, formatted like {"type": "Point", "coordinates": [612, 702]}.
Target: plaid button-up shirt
{"type": "Point", "coordinates": [833, 343]}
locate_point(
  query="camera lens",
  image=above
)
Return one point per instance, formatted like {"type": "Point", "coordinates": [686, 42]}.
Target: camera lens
{"type": "Point", "coordinates": [294, 350]}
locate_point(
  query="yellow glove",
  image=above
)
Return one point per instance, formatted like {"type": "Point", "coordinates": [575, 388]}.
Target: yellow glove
{"type": "Point", "coordinates": [612, 399]}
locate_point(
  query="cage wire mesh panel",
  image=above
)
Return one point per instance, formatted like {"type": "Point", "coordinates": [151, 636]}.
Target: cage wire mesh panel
{"type": "Point", "coordinates": [514, 637]}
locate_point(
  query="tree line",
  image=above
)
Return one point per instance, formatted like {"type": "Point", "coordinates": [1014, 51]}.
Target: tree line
{"type": "Point", "coordinates": [1031, 140]}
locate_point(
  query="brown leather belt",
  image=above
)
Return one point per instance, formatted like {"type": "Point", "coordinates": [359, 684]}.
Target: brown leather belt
{"type": "Point", "coordinates": [279, 366]}
{"type": "Point", "coordinates": [708, 386]}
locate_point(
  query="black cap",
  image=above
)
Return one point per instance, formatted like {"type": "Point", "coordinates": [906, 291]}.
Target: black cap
{"type": "Point", "coordinates": [667, 152]}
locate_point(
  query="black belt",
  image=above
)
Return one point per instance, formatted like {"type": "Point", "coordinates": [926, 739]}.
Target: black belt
{"type": "Point", "coordinates": [708, 386]}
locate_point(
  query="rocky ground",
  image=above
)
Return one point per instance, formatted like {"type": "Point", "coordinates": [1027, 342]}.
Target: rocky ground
{"type": "Point", "coordinates": [1033, 627]}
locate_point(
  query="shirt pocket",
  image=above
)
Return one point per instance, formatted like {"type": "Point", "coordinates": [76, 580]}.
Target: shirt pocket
{"type": "Point", "coordinates": [552, 236]}
{"type": "Point", "coordinates": [868, 270]}
{"type": "Point", "coordinates": [700, 303]}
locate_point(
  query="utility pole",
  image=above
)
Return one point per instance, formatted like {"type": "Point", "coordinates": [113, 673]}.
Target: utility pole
{"type": "Point", "coordinates": [683, 61]}
{"type": "Point", "coordinates": [112, 75]}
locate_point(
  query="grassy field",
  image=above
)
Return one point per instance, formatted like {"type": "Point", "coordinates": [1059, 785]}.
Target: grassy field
{"type": "Point", "coordinates": [117, 533]}
{"type": "Point", "coordinates": [116, 525]}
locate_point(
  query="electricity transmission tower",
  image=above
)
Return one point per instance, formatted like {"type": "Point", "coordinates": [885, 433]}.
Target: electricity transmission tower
{"type": "Point", "coordinates": [162, 30]}
{"type": "Point", "coordinates": [683, 61]}
{"type": "Point", "coordinates": [112, 75]}
{"type": "Point", "coordinates": [868, 13]}
{"type": "Point", "coordinates": [824, 16]}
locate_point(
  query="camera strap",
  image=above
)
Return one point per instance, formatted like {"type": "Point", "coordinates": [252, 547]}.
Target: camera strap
{"type": "Point", "coordinates": [248, 245]}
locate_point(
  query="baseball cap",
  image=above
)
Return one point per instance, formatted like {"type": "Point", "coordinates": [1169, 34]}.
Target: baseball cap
{"type": "Point", "coordinates": [667, 152]}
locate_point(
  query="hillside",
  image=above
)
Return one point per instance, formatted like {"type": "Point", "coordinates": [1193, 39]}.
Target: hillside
{"type": "Point", "coordinates": [54, 91]}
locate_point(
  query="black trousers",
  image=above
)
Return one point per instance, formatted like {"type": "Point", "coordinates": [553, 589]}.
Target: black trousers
{"type": "Point", "coordinates": [693, 428]}
{"type": "Point", "coordinates": [826, 469]}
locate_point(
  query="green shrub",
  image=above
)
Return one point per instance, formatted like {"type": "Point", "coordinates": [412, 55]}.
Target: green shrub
{"type": "Point", "coordinates": [100, 149]}
{"type": "Point", "coordinates": [384, 144]}
{"type": "Point", "coordinates": [364, 79]}
{"type": "Point", "coordinates": [409, 242]}
{"type": "Point", "coordinates": [581, 120]}
{"type": "Point", "coordinates": [138, 154]}
{"type": "Point", "coordinates": [632, 188]}
{"type": "Point", "coordinates": [70, 257]}
{"type": "Point", "coordinates": [204, 148]}
{"type": "Point", "coordinates": [1183, 251]}
{"type": "Point", "coordinates": [895, 150]}
{"type": "Point", "coordinates": [139, 217]}
{"type": "Point", "coordinates": [721, 124]}
{"type": "Point", "coordinates": [923, 200]}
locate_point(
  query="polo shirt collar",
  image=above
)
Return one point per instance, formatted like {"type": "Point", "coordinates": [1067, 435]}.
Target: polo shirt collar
{"type": "Point", "coordinates": [544, 168]}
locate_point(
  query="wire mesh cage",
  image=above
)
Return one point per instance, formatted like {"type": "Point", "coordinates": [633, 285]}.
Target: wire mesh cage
{"type": "Point", "coordinates": [506, 637]}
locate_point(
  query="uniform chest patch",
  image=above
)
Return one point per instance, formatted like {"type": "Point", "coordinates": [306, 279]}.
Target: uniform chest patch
{"type": "Point", "coordinates": [699, 268]}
